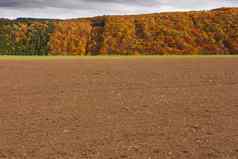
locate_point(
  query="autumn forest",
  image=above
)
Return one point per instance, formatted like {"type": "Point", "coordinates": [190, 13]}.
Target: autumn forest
{"type": "Point", "coordinates": [196, 32]}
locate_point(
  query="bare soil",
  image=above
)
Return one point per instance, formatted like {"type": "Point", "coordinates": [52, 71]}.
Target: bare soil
{"type": "Point", "coordinates": [121, 108]}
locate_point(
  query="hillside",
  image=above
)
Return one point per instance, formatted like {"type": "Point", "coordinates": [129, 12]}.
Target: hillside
{"type": "Point", "coordinates": [201, 32]}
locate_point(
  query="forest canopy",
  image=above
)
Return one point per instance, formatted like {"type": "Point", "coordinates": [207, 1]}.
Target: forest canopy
{"type": "Point", "coordinates": [200, 32]}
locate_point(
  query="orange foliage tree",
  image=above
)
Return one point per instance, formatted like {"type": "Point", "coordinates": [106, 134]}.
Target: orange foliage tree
{"type": "Point", "coordinates": [70, 37]}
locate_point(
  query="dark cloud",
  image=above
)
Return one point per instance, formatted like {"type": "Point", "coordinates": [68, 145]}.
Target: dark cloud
{"type": "Point", "coordinates": [9, 3]}
{"type": "Point", "coordinates": [68, 3]}
{"type": "Point", "coordinates": [81, 4]}
{"type": "Point", "coordinates": [78, 8]}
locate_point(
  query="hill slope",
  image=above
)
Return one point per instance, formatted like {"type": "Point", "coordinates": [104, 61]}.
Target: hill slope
{"type": "Point", "coordinates": [203, 32]}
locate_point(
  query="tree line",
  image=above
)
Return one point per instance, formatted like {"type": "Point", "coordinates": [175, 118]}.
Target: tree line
{"type": "Point", "coordinates": [200, 32]}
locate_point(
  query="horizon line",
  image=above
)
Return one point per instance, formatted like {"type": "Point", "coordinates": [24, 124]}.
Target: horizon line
{"type": "Point", "coordinates": [133, 14]}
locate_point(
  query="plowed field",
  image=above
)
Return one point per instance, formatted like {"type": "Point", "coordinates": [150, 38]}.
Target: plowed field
{"type": "Point", "coordinates": [119, 108]}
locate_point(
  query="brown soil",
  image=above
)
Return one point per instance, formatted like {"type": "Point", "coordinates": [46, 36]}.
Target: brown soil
{"type": "Point", "coordinates": [112, 109]}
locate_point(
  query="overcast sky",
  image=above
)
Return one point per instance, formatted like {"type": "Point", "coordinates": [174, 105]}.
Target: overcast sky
{"type": "Point", "coordinates": [84, 8]}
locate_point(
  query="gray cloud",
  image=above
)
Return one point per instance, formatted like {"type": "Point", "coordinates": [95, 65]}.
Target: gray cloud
{"type": "Point", "coordinates": [79, 8]}
{"type": "Point", "coordinates": [58, 3]}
